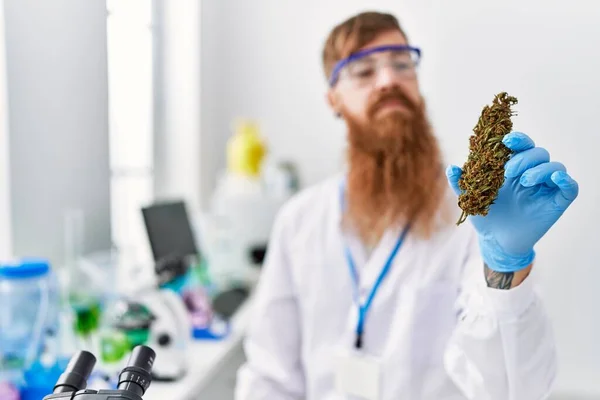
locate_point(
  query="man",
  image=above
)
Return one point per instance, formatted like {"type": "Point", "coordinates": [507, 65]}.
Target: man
{"type": "Point", "coordinates": [370, 290]}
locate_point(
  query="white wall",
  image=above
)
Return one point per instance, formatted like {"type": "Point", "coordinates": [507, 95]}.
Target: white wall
{"type": "Point", "coordinates": [177, 90]}
{"type": "Point", "coordinates": [5, 217]}
{"type": "Point", "coordinates": [262, 59]}
{"type": "Point", "coordinates": [58, 119]}
{"type": "Point", "coordinates": [213, 127]}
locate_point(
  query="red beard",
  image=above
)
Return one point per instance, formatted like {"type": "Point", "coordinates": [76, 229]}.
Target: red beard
{"type": "Point", "coordinates": [396, 172]}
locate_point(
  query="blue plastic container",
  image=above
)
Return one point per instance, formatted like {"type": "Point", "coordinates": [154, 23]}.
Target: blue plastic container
{"type": "Point", "coordinates": [28, 306]}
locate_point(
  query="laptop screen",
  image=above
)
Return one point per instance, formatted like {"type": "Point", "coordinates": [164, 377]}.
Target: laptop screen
{"type": "Point", "coordinates": [169, 230]}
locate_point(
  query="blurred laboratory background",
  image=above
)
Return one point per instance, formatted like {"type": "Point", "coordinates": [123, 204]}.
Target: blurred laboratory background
{"type": "Point", "coordinates": [146, 146]}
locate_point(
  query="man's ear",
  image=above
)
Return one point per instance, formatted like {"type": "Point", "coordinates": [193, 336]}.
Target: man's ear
{"type": "Point", "coordinates": [334, 102]}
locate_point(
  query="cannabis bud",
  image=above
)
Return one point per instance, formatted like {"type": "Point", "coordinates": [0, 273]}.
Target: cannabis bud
{"type": "Point", "coordinates": [483, 173]}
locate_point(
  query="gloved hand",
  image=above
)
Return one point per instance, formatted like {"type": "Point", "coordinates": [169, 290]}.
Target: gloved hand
{"type": "Point", "coordinates": [535, 193]}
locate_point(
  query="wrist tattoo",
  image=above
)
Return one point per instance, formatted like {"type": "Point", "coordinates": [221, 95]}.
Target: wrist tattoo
{"type": "Point", "coordinates": [498, 280]}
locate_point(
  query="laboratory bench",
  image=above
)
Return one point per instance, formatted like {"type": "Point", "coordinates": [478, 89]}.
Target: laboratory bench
{"type": "Point", "coordinates": [206, 358]}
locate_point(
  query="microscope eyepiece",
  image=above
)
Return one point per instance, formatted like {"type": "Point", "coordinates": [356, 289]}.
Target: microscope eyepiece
{"type": "Point", "coordinates": [137, 375]}
{"type": "Point", "coordinates": [134, 379]}
{"type": "Point", "coordinates": [77, 373]}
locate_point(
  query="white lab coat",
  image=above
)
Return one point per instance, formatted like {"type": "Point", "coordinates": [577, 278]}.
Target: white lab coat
{"type": "Point", "coordinates": [439, 332]}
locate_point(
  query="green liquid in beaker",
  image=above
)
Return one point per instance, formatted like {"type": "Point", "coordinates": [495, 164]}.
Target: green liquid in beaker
{"type": "Point", "coordinates": [114, 346]}
{"type": "Point", "coordinates": [88, 313]}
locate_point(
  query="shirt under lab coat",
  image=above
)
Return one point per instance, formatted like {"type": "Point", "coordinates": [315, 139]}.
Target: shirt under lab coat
{"type": "Point", "coordinates": [436, 328]}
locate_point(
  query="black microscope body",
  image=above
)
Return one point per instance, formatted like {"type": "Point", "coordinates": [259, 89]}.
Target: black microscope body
{"type": "Point", "coordinates": [134, 379]}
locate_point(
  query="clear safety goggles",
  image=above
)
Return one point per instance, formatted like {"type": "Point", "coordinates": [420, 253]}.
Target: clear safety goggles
{"type": "Point", "coordinates": [363, 67]}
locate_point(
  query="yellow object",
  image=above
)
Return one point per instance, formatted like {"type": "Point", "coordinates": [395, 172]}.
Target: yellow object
{"type": "Point", "coordinates": [245, 150]}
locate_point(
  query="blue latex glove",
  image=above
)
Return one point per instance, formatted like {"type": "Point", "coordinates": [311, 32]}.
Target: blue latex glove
{"type": "Point", "coordinates": [535, 193]}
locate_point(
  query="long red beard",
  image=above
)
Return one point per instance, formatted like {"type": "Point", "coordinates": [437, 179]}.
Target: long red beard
{"type": "Point", "coordinates": [395, 176]}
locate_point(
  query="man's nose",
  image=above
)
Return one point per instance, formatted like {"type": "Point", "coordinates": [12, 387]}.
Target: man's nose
{"type": "Point", "coordinates": [385, 77]}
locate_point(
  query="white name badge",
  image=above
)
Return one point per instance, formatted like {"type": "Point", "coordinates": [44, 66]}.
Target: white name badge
{"type": "Point", "coordinates": [358, 375]}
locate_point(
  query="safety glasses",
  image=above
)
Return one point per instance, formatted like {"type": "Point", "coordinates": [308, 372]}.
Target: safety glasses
{"type": "Point", "coordinates": [362, 67]}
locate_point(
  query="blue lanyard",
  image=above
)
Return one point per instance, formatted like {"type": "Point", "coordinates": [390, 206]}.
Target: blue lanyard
{"type": "Point", "coordinates": [363, 309]}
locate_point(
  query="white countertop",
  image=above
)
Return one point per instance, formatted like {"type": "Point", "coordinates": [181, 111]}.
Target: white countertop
{"type": "Point", "coordinates": [204, 359]}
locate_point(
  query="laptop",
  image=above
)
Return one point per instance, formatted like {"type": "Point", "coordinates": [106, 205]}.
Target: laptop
{"type": "Point", "coordinates": [169, 230]}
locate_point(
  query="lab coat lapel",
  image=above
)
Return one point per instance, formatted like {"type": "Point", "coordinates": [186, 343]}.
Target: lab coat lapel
{"type": "Point", "coordinates": [380, 256]}
{"type": "Point", "coordinates": [369, 268]}
{"type": "Point", "coordinates": [358, 251]}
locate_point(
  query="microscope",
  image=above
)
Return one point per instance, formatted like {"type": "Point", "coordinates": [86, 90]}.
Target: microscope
{"type": "Point", "coordinates": [134, 379]}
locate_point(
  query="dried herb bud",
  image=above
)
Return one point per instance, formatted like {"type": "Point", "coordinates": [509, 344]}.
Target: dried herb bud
{"type": "Point", "coordinates": [483, 173]}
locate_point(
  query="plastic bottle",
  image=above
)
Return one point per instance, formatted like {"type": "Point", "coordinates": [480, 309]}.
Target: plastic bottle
{"type": "Point", "coordinates": [245, 150]}
{"type": "Point", "coordinates": [28, 299]}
